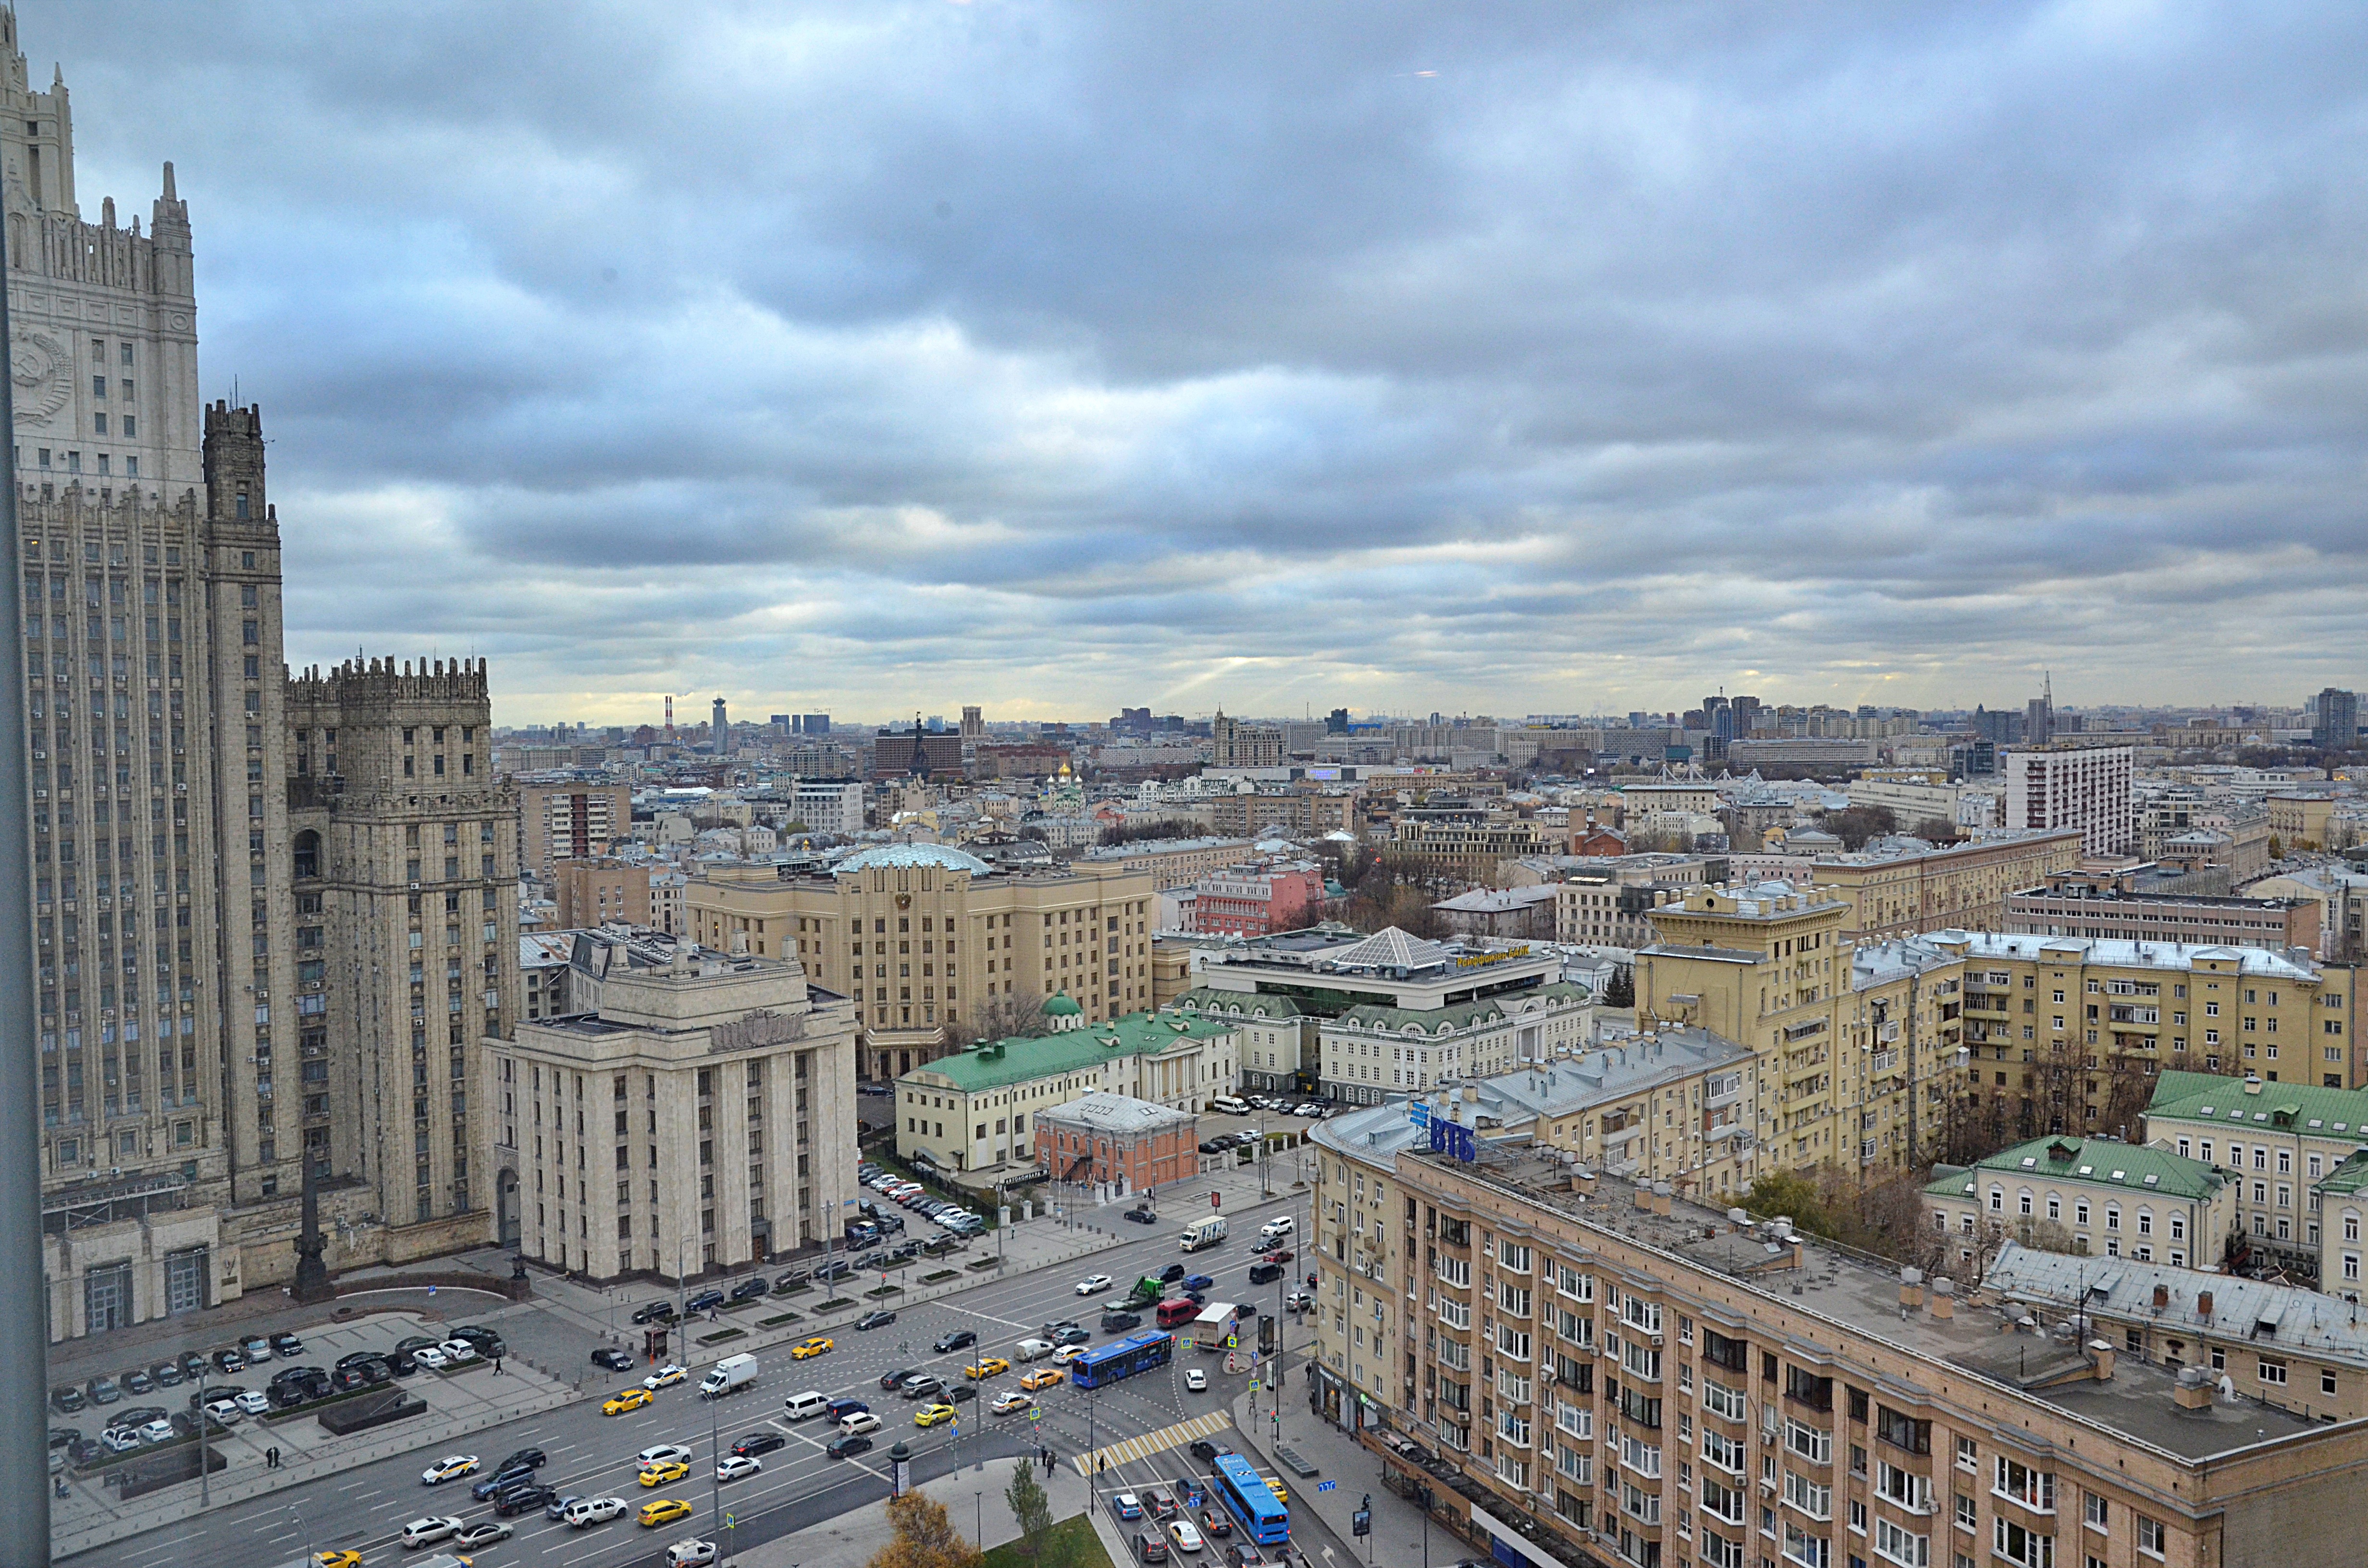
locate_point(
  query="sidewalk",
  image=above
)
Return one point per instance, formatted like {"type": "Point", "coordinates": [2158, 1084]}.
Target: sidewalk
{"type": "Point", "coordinates": [850, 1539]}
{"type": "Point", "coordinates": [1355, 1472]}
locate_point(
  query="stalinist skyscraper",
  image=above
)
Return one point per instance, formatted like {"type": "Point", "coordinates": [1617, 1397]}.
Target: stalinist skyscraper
{"type": "Point", "coordinates": [242, 955]}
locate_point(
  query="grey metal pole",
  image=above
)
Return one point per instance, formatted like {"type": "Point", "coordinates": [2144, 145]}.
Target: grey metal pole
{"type": "Point", "coordinates": [24, 1323]}
{"type": "Point", "coordinates": [205, 1449]}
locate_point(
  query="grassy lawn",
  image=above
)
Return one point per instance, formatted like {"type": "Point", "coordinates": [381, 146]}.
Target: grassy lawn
{"type": "Point", "coordinates": [720, 1338]}
{"type": "Point", "coordinates": [778, 1319]}
{"type": "Point", "coordinates": [1073, 1545]}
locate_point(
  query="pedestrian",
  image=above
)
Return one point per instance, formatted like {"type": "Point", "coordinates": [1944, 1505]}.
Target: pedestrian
{"type": "Point", "coordinates": [497, 1366]}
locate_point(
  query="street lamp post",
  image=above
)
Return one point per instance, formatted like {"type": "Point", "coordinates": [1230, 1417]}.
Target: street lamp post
{"type": "Point", "coordinates": [205, 1450]}
{"type": "Point", "coordinates": [977, 1520]}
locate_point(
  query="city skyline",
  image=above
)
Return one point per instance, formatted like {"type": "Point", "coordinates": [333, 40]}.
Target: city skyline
{"type": "Point", "coordinates": [1877, 362]}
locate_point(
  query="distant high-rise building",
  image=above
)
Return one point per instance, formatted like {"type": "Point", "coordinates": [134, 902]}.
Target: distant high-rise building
{"type": "Point", "coordinates": [814, 723]}
{"type": "Point", "coordinates": [974, 722]}
{"type": "Point", "coordinates": [2087, 787]}
{"type": "Point", "coordinates": [1336, 721]}
{"type": "Point", "coordinates": [2039, 720]}
{"type": "Point", "coordinates": [719, 729]}
{"type": "Point", "coordinates": [1999, 726]}
{"type": "Point", "coordinates": [2335, 720]}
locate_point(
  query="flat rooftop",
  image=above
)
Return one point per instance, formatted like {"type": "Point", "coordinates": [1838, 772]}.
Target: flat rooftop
{"type": "Point", "coordinates": [2048, 1365]}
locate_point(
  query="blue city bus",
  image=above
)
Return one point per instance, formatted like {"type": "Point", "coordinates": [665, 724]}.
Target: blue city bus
{"type": "Point", "coordinates": [1122, 1359]}
{"type": "Point", "coordinates": [1250, 1501]}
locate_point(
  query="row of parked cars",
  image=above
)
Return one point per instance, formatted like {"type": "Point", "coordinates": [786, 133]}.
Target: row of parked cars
{"type": "Point", "coordinates": [136, 1381]}
{"type": "Point", "coordinates": [943, 1213]}
{"type": "Point", "coordinates": [224, 1405]}
{"type": "Point", "coordinates": [1282, 1105]}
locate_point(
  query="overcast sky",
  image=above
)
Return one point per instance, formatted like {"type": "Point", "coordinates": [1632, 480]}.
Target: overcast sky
{"type": "Point", "coordinates": [1496, 359]}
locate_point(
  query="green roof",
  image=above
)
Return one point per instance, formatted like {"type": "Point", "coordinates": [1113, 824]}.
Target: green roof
{"type": "Point", "coordinates": [2348, 1179]}
{"type": "Point", "coordinates": [2095, 1160]}
{"type": "Point", "coordinates": [1431, 1020]}
{"type": "Point", "coordinates": [1063, 1006]}
{"type": "Point", "coordinates": [1246, 1004]}
{"type": "Point", "coordinates": [1025, 1058]}
{"type": "Point", "coordinates": [2294, 1107]}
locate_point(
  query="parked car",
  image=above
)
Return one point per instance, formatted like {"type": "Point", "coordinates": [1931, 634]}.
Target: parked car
{"type": "Point", "coordinates": [102, 1391]}
{"type": "Point", "coordinates": [65, 1399]}
{"type": "Point", "coordinates": [257, 1350]}
{"type": "Point", "coordinates": [138, 1382]}
{"type": "Point", "coordinates": [287, 1345]}
{"type": "Point", "coordinates": [613, 1359]}
{"type": "Point", "coordinates": [748, 1289]}
{"type": "Point", "coordinates": [790, 1279]}
{"type": "Point", "coordinates": [706, 1301]}
{"type": "Point", "coordinates": [484, 1341]}
{"type": "Point", "coordinates": [653, 1311]}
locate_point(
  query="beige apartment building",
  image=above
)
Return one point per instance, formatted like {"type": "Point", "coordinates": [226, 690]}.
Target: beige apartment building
{"type": "Point", "coordinates": [696, 1111]}
{"type": "Point", "coordinates": [2300, 821]}
{"type": "Point", "coordinates": [596, 889]}
{"type": "Point", "coordinates": [1566, 1369]}
{"type": "Point", "coordinates": [1472, 853]}
{"type": "Point", "coordinates": [1966, 885]}
{"type": "Point", "coordinates": [1171, 863]}
{"type": "Point", "coordinates": [2092, 1197]}
{"type": "Point", "coordinates": [570, 818]}
{"type": "Point", "coordinates": [928, 938]}
{"type": "Point", "coordinates": [1858, 1048]}
{"type": "Point", "coordinates": [2290, 1151]}
{"type": "Point", "coordinates": [1299, 812]}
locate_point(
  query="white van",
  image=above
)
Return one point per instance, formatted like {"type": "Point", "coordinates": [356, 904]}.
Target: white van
{"type": "Point", "coordinates": [1205, 1232]}
{"type": "Point", "coordinates": [1227, 1106]}
{"type": "Point", "coordinates": [798, 1407]}
{"type": "Point", "coordinates": [854, 1426]}
{"type": "Point", "coordinates": [1034, 1349]}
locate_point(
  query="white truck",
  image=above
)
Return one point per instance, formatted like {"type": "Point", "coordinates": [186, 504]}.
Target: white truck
{"type": "Point", "coordinates": [1204, 1232]}
{"type": "Point", "coordinates": [728, 1376]}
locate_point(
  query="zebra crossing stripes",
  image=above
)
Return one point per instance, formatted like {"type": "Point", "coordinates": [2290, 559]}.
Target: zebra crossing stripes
{"type": "Point", "coordinates": [1150, 1443]}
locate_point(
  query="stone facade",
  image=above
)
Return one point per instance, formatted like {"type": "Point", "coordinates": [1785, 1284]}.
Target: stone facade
{"type": "Point", "coordinates": [700, 1113]}
{"type": "Point", "coordinates": [928, 937]}
{"type": "Point", "coordinates": [404, 848]}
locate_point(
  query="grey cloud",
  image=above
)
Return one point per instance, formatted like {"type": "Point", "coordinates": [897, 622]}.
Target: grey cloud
{"type": "Point", "coordinates": [1076, 354]}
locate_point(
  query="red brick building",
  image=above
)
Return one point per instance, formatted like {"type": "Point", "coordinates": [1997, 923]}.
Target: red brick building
{"type": "Point", "coordinates": [1256, 901]}
{"type": "Point", "coordinates": [1129, 1143]}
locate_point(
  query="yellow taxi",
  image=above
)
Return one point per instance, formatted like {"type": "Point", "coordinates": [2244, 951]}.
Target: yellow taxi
{"type": "Point", "coordinates": [989, 1367]}
{"type": "Point", "coordinates": [337, 1560]}
{"type": "Point", "coordinates": [1043, 1378]}
{"type": "Point", "coordinates": [930, 1415]}
{"type": "Point", "coordinates": [1275, 1482]}
{"type": "Point", "coordinates": [658, 1474]}
{"type": "Point", "coordinates": [631, 1399]}
{"type": "Point", "coordinates": [665, 1511]}
{"type": "Point", "coordinates": [818, 1346]}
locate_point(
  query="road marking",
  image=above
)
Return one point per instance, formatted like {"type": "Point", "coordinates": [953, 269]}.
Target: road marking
{"type": "Point", "coordinates": [1151, 1443]}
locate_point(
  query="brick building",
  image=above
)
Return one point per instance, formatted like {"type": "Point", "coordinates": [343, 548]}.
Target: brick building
{"type": "Point", "coordinates": [1256, 901]}
{"type": "Point", "coordinates": [1115, 1139]}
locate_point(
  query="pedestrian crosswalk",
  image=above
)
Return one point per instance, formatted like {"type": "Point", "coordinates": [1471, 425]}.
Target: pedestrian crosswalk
{"type": "Point", "coordinates": [1150, 1443]}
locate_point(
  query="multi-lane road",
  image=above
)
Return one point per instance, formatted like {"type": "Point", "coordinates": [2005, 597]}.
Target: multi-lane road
{"type": "Point", "coordinates": [592, 1455]}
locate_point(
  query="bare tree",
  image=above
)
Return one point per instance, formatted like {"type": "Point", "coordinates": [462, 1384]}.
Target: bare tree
{"type": "Point", "coordinates": [998, 1017]}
